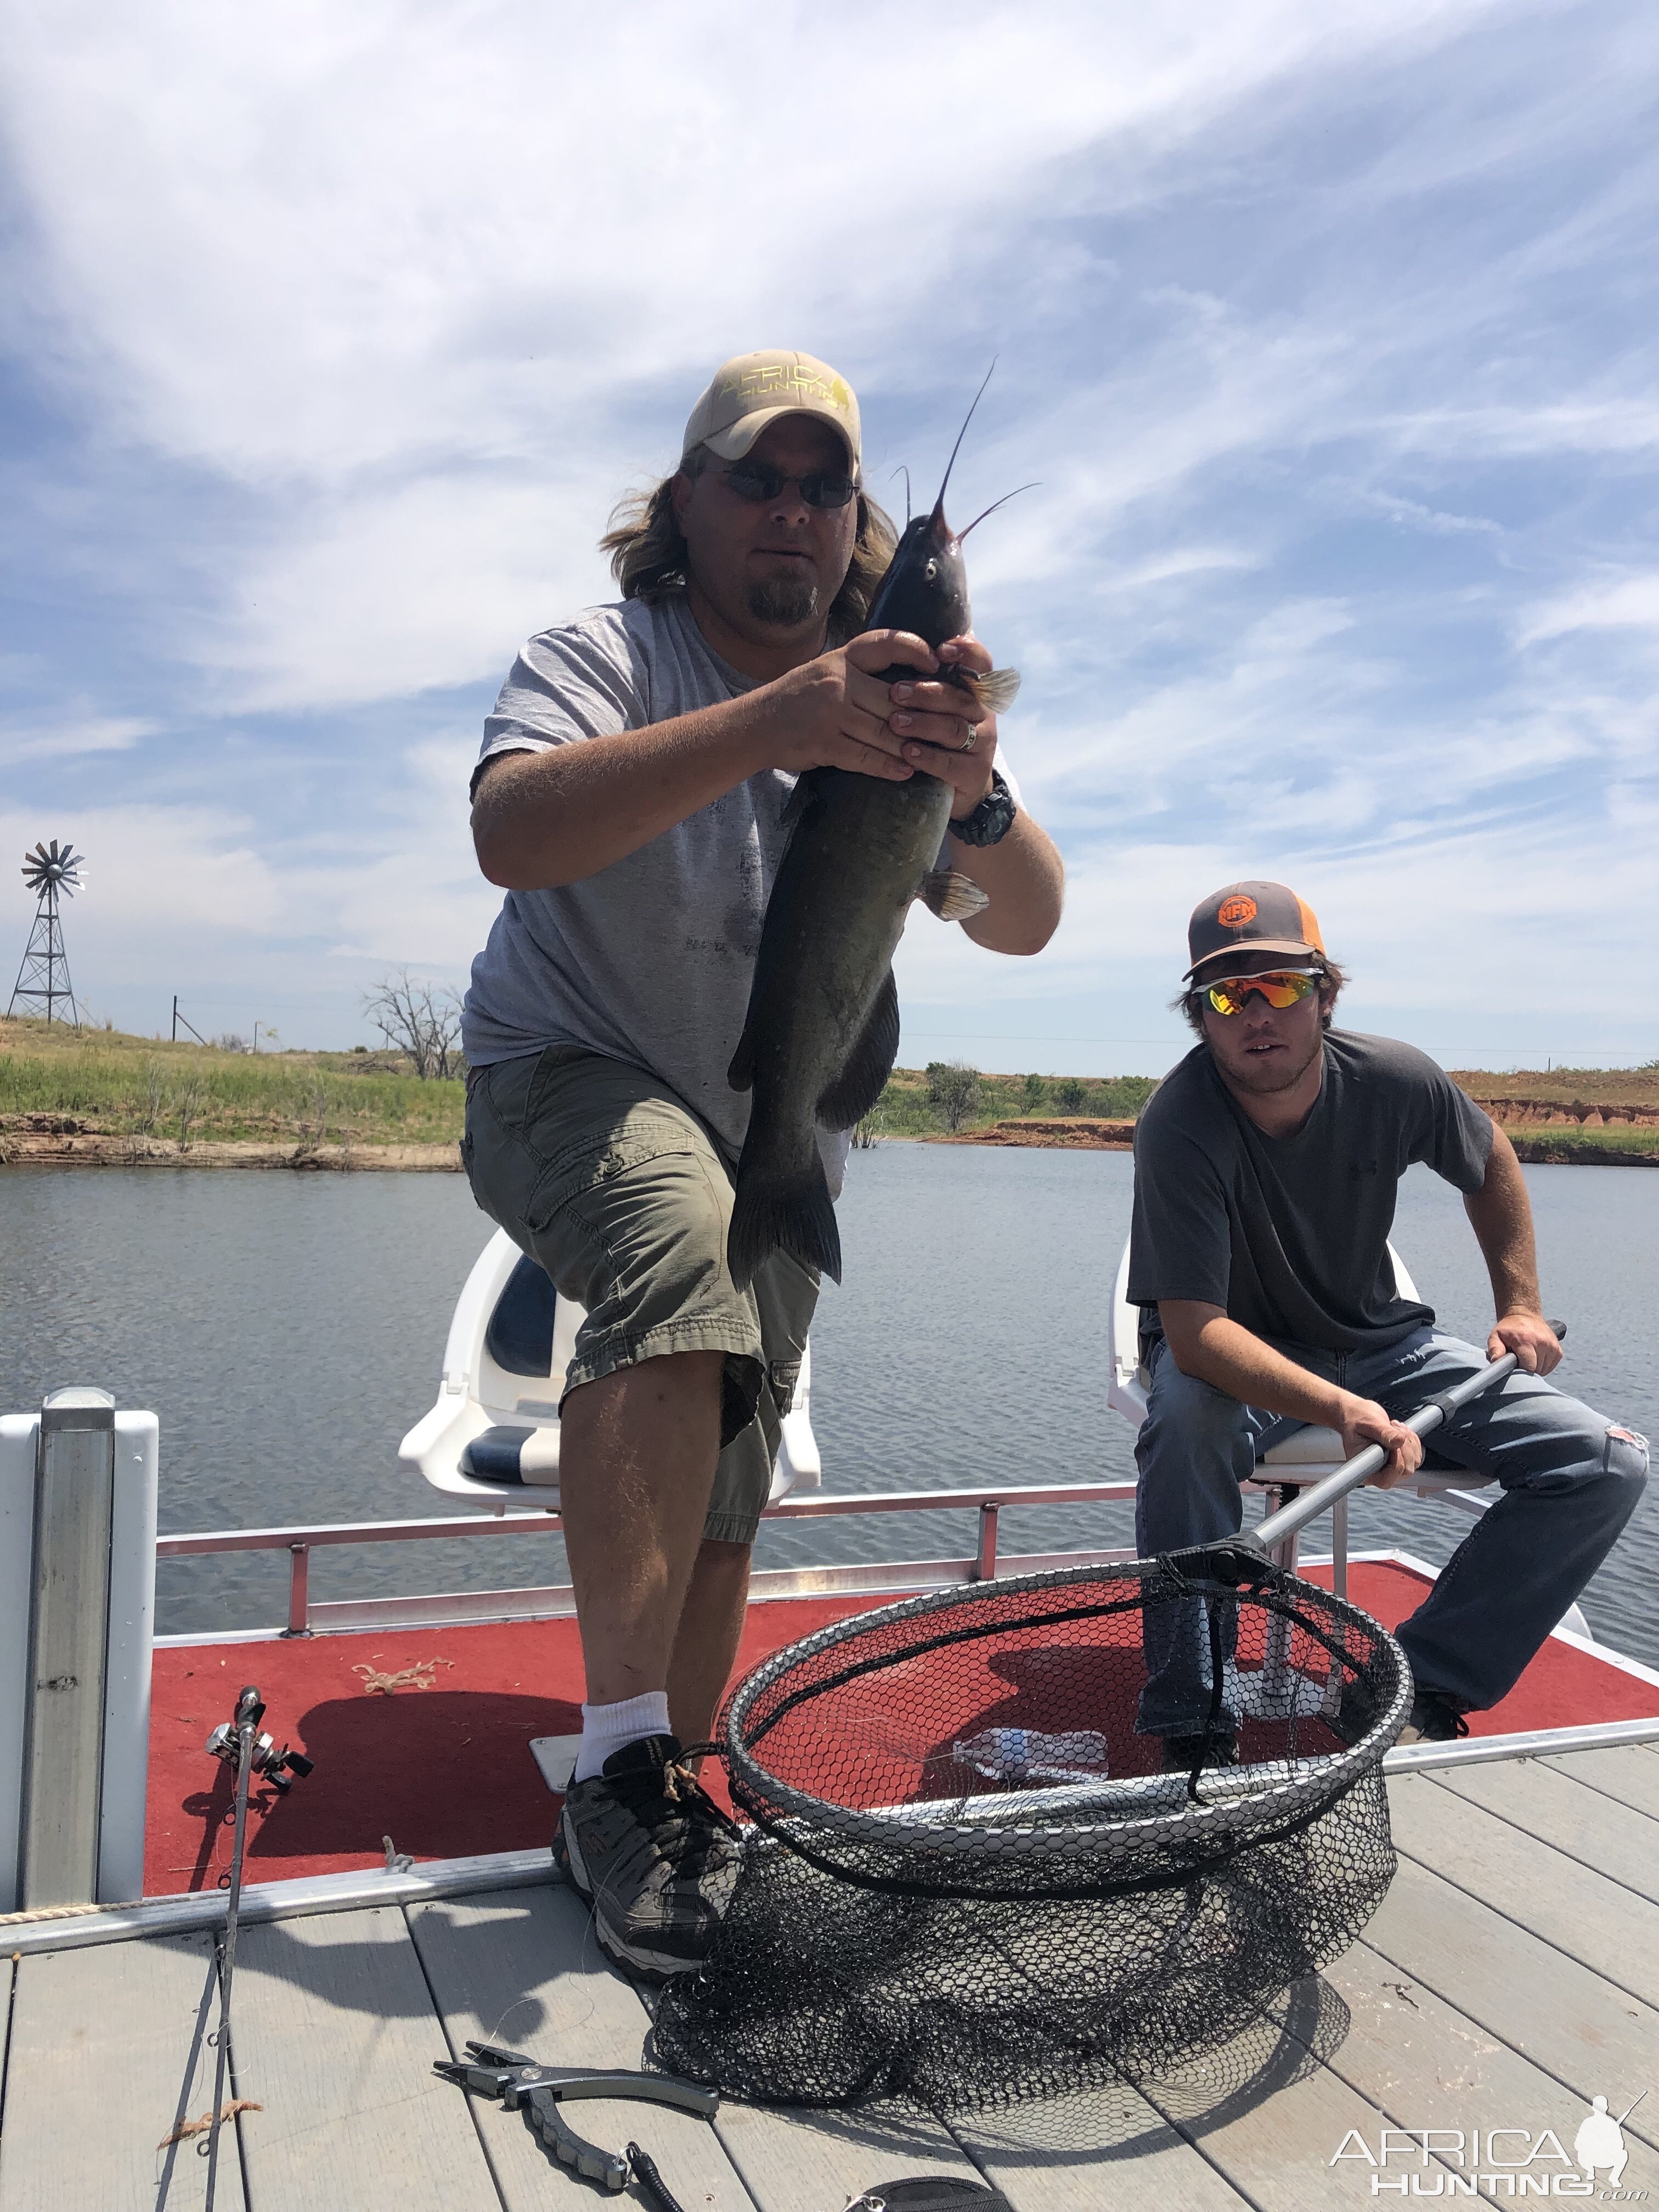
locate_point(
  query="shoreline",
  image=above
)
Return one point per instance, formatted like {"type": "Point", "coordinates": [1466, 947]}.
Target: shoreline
{"type": "Point", "coordinates": [87, 1150]}
{"type": "Point", "coordinates": [1534, 1147]}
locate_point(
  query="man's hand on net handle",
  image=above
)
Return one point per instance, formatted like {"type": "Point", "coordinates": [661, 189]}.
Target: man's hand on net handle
{"type": "Point", "coordinates": [1532, 1339]}
{"type": "Point", "coordinates": [1364, 1422]}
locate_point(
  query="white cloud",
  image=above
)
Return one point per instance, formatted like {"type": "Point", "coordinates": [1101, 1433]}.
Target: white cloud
{"type": "Point", "coordinates": [1631, 602]}
{"type": "Point", "coordinates": [92, 733]}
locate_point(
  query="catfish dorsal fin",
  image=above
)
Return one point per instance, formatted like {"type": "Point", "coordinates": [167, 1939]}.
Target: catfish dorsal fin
{"type": "Point", "coordinates": [938, 504]}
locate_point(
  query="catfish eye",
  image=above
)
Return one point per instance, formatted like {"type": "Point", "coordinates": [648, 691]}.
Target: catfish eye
{"type": "Point", "coordinates": [932, 570]}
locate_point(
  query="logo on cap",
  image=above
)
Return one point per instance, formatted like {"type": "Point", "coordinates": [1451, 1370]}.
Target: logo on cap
{"type": "Point", "coordinates": [1234, 913]}
{"type": "Point", "coordinates": [778, 382]}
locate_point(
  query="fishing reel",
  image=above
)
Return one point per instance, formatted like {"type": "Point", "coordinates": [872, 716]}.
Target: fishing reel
{"type": "Point", "coordinates": [281, 1769]}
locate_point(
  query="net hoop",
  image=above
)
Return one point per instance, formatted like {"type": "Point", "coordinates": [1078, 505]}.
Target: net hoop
{"type": "Point", "coordinates": [1072, 1820]}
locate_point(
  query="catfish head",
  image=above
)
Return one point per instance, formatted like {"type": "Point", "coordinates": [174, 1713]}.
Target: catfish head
{"type": "Point", "coordinates": [925, 587]}
{"type": "Point", "coordinates": [925, 590]}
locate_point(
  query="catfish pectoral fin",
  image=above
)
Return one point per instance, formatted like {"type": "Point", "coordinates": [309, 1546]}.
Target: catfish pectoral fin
{"type": "Point", "coordinates": [951, 897]}
{"type": "Point", "coordinates": [781, 1205]}
{"type": "Point", "coordinates": [996, 690]}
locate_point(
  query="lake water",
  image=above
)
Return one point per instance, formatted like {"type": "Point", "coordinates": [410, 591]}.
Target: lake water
{"type": "Point", "coordinates": [288, 1329]}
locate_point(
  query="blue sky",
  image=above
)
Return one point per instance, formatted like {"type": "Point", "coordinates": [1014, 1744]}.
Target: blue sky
{"type": "Point", "coordinates": [1330, 333]}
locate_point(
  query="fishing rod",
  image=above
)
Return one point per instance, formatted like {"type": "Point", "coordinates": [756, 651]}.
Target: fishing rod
{"type": "Point", "coordinates": [1319, 1497]}
{"type": "Point", "coordinates": [239, 1743]}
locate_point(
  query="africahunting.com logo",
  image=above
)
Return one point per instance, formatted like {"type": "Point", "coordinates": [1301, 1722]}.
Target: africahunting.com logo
{"type": "Point", "coordinates": [1496, 2162]}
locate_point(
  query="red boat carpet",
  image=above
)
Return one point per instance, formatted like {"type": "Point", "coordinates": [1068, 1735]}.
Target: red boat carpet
{"type": "Point", "coordinates": [422, 1735]}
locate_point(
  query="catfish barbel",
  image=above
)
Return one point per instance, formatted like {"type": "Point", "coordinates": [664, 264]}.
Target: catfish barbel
{"type": "Point", "coordinates": [823, 1028]}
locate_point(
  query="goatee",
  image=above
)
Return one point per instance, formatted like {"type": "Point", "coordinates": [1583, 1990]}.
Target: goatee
{"type": "Point", "coordinates": [784, 602]}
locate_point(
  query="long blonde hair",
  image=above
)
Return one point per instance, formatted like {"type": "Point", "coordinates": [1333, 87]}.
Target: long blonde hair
{"type": "Point", "coordinates": [648, 556]}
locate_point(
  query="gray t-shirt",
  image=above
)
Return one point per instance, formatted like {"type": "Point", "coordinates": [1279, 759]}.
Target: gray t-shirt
{"type": "Point", "coordinates": [650, 960]}
{"type": "Point", "coordinates": [1290, 1234]}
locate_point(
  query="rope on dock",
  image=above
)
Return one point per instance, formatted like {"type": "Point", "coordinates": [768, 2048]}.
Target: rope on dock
{"type": "Point", "coordinates": [63, 1912]}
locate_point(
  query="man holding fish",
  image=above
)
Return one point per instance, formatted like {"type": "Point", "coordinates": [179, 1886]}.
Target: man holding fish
{"type": "Point", "coordinates": [631, 800]}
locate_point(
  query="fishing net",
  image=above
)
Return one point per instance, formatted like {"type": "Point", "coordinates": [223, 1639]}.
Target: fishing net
{"type": "Point", "coordinates": [969, 1877]}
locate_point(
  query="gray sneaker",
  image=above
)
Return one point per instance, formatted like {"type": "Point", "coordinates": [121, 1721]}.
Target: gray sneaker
{"type": "Point", "coordinates": [654, 1855]}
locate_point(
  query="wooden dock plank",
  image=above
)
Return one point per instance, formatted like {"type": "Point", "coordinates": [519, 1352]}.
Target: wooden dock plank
{"type": "Point", "coordinates": [519, 1968]}
{"type": "Point", "coordinates": [1576, 1907]}
{"type": "Point", "coordinates": [1097, 2147]}
{"type": "Point", "coordinates": [1618, 1771]}
{"type": "Point", "coordinates": [1270, 2122]}
{"type": "Point", "coordinates": [800, 2162]}
{"type": "Point", "coordinates": [567, 2006]}
{"type": "Point", "coordinates": [108, 2054]}
{"type": "Point", "coordinates": [1582, 1824]}
{"type": "Point", "coordinates": [1431, 2067]}
{"type": "Point", "coordinates": [1521, 1990]}
{"type": "Point", "coordinates": [334, 2033]}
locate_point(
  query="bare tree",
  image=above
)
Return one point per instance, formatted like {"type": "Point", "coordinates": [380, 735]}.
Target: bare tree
{"type": "Point", "coordinates": [953, 1088]}
{"type": "Point", "coordinates": [188, 1100]}
{"type": "Point", "coordinates": [419, 1019]}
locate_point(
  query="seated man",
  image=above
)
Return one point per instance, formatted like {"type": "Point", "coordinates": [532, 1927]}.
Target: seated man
{"type": "Point", "coordinates": [1266, 1166]}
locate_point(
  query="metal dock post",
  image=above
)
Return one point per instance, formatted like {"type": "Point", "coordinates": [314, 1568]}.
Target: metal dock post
{"type": "Point", "coordinates": [77, 1584]}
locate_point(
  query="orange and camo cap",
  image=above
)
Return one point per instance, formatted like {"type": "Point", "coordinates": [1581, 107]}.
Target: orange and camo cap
{"type": "Point", "coordinates": [1252, 918]}
{"type": "Point", "coordinates": [753, 389]}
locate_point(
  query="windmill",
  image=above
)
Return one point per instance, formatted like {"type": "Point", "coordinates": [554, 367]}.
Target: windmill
{"type": "Point", "coordinates": [43, 977]}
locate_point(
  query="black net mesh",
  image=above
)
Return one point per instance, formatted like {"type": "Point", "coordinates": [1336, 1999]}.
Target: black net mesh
{"type": "Point", "coordinates": [970, 1877]}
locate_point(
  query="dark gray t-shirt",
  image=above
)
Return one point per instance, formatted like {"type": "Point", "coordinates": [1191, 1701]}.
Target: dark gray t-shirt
{"type": "Point", "coordinates": [1290, 1234]}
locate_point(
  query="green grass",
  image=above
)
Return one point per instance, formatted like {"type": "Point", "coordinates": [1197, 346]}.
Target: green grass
{"type": "Point", "coordinates": [123, 1085]}
{"type": "Point", "coordinates": [1601, 1140]}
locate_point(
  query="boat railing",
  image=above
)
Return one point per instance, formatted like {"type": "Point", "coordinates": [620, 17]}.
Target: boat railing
{"type": "Point", "coordinates": [309, 1616]}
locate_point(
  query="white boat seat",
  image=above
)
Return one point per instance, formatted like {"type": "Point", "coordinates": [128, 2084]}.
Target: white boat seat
{"type": "Point", "coordinates": [1301, 1457]}
{"type": "Point", "coordinates": [493, 1436]}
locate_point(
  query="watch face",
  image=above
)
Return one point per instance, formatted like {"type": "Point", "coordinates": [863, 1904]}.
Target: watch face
{"type": "Point", "coordinates": [992, 819]}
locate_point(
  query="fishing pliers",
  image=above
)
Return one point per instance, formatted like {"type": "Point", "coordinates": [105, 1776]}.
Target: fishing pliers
{"type": "Point", "coordinates": [538, 2091]}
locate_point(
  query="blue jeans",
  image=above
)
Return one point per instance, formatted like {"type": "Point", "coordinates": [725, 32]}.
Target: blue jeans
{"type": "Point", "coordinates": [1571, 1479]}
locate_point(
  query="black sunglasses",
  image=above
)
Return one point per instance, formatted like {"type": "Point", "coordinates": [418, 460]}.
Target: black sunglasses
{"type": "Point", "coordinates": [757, 481]}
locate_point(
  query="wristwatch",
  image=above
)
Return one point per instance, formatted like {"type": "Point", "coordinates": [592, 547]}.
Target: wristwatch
{"type": "Point", "coordinates": [992, 819]}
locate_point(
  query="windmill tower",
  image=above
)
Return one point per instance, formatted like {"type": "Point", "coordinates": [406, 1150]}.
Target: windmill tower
{"type": "Point", "coordinates": [43, 980]}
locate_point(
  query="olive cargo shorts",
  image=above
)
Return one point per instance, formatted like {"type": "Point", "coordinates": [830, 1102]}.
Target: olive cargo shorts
{"type": "Point", "coordinates": [614, 1186]}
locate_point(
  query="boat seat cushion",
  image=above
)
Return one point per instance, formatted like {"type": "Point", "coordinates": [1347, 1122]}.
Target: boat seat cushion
{"type": "Point", "coordinates": [513, 1455]}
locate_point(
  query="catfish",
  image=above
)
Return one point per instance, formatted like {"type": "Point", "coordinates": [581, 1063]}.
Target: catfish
{"type": "Point", "coordinates": [823, 1028]}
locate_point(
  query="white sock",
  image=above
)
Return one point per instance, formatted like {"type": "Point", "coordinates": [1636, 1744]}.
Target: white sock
{"type": "Point", "coordinates": [607, 1728]}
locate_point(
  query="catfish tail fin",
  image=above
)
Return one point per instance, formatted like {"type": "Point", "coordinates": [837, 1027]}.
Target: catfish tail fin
{"type": "Point", "coordinates": [781, 1204]}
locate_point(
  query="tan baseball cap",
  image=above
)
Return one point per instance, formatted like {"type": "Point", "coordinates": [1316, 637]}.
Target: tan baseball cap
{"type": "Point", "coordinates": [753, 389]}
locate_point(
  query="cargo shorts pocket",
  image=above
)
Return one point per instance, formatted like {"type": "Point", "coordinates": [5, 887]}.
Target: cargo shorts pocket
{"type": "Point", "coordinates": [636, 1205]}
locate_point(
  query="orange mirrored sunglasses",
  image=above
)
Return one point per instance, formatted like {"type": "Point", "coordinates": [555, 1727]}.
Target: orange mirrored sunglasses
{"type": "Point", "coordinates": [1280, 989]}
